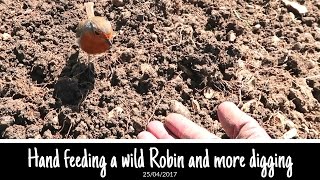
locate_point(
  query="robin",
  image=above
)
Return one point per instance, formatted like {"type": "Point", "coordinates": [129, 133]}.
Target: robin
{"type": "Point", "coordinates": [94, 34]}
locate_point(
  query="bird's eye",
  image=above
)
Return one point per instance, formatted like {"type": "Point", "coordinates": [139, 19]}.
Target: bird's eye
{"type": "Point", "coordinates": [97, 32]}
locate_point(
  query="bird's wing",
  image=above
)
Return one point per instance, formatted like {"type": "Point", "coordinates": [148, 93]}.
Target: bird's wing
{"type": "Point", "coordinates": [80, 29]}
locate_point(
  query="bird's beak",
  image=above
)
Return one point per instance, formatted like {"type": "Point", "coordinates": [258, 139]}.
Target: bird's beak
{"type": "Point", "coordinates": [108, 38]}
{"type": "Point", "coordinates": [109, 42]}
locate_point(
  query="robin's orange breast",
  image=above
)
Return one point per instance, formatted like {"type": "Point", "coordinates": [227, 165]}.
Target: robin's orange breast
{"type": "Point", "coordinates": [93, 44]}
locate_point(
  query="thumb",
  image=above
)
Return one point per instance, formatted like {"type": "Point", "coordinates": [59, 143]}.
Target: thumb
{"type": "Point", "coordinates": [238, 124]}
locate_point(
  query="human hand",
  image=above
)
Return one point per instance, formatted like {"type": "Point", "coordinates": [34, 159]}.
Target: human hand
{"type": "Point", "coordinates": [236, 123]}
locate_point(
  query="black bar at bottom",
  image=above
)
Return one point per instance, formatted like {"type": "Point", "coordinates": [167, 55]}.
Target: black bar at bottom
{"type": "Point", "coordinates": [160, 160]}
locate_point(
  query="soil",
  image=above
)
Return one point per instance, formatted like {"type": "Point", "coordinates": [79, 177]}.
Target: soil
{"type": "Point", "coordinates": [261, 55]}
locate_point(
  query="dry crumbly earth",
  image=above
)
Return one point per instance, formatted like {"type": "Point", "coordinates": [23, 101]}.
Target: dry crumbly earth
{"type": "Point", "coordinates": [259, 54]}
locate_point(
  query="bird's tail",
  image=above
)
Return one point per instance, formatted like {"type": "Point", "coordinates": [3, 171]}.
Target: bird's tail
{"type": "Point", "coordinates": [89, 9]}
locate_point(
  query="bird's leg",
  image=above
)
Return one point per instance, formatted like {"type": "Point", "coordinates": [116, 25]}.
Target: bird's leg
{"type": "Point", "coordinates": [89, 59]}
{"type": "Point", "coordinates": [90, 65]}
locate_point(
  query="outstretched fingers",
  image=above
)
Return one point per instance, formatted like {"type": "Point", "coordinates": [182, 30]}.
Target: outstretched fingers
{"type": "Point", "coordinates": [236, 123]}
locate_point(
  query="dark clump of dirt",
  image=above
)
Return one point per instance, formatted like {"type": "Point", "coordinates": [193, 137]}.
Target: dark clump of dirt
{"type": "Point", "coordinates": [260, 55]}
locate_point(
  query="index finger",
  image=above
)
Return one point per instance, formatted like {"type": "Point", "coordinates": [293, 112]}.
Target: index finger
{"type": "Point", "coordinates": [184, 128]}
